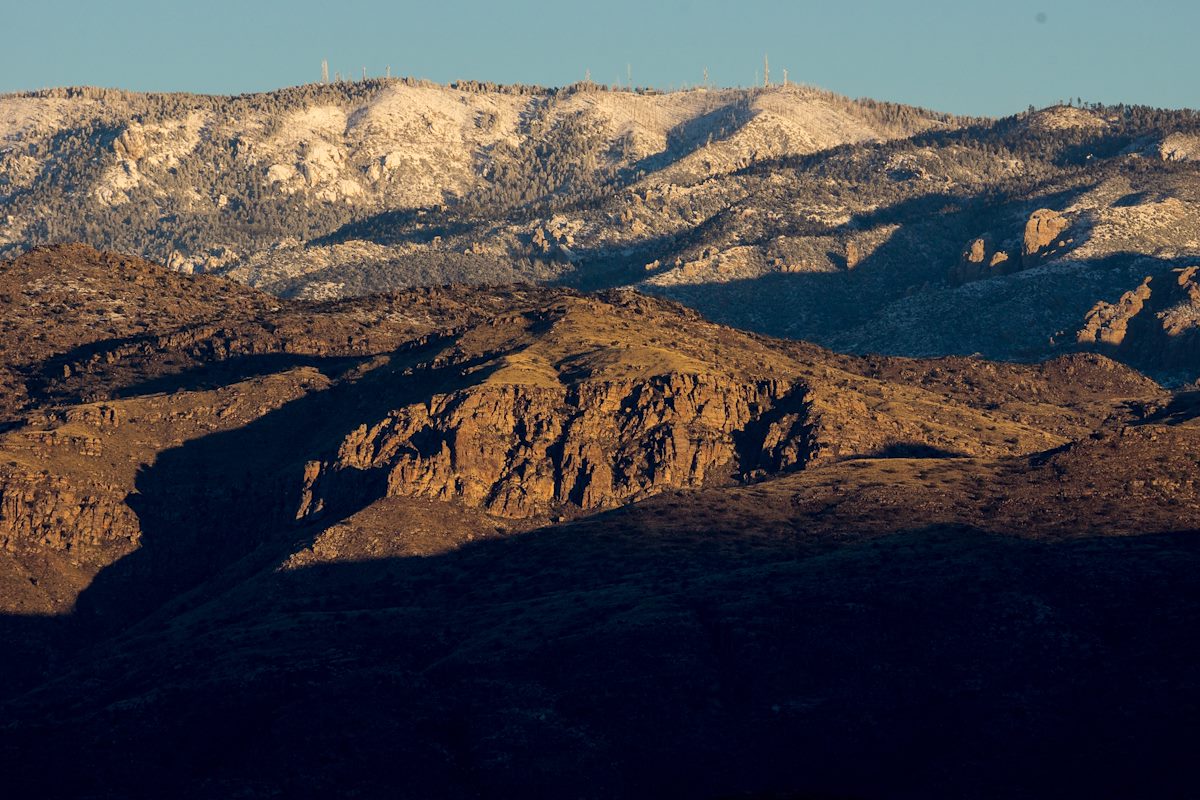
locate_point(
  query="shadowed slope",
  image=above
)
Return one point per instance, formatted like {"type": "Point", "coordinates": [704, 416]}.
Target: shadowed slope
{"type": "Point", "coordinates": [538, 543]}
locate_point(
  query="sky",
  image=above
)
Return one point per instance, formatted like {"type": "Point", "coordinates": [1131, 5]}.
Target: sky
{"type": "Point", "coordinates": [984, 57]}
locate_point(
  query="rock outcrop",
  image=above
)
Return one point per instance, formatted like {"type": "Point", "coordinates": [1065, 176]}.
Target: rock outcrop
{"type": "Point", "coordinates": [46, 511]}
{"type": "Point", "coordinates": [982, 259]}
{"type": "Point", "coordinates": [1108, 323]}
{"type": "Point", "coordinates": [1044, 236]}
{"type": "Point", "coordinates": [1156, 324]}
{"type": "Point", "coordinates": [519, 450]}
{"type": "Point", "coordinates": [1183, 314]}
{"type": "Point", "coordinates": [130, 144]}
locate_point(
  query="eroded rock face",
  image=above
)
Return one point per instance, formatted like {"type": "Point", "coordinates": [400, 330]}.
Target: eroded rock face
{"type": "Point", "coordinates": [1042, 236]}
{"type": "Point", "coordinates": [982, 259]}
{"type": "Point", "coordinates": [1155, 324]}
{"type": "Point", "coordinates": [45, 511]}
{"type": "Point", "coordinates": [1107, 323]}
{"type": "Point", "coordinates": [520, 450]}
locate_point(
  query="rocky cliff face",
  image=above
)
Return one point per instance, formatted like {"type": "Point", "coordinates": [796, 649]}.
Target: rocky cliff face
{"type": "Point", "coordinates": [525, 405]}
{"type": "Point", "coordinates": [44, 511]}
{"type": "Point", "coordinates": [1044, 237]}
{"type": "Point", "coordinates": [520, 450]}
{"type": "Point", "coordinates": [1157, 323]}
{"type": "Point", "coordinates": [67, 511]}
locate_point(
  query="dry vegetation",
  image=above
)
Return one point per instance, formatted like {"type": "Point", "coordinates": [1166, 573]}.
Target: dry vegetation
{"type": "Point", "coordinates": [541, 533]}
{"type": "Point", "coordinates": [365, 534]}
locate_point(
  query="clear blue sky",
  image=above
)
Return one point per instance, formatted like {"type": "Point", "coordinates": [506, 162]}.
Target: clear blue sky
{"type": "Point", "coordinates": [965, 56]}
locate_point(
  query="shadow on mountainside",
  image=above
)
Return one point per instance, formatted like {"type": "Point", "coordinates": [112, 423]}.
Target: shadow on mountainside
{"type": "Point", "coordinates": [166, 372]}
{"type": "Point", "coordinates": [397, 226]}
{"type": "Point", "coordinates": [1183, 408]}
{"type": "Point", "coordinates": [234, 495]}
{"type": "Point", "coordinates": [619, 656]}
{"type": "Point", "coordinates": [214, 375]}
{"type": "Point", "coordinates": [1029, 315]}
{"type": "Point", "coordinates": [696, 644]}
{"type": "Point", "coordinates": [819, 306]}
{"type": "Point", "coordinates": [226, 504]}
{"type": "Point", "coordinates": [691, 135]}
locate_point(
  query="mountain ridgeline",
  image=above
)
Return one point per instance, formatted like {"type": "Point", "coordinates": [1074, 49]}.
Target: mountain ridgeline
{"type": "Point", "coordinates": [863, 226]}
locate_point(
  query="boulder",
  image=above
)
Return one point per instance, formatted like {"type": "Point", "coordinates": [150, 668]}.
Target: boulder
{"type": "Point", "coordinates": [854, 255]}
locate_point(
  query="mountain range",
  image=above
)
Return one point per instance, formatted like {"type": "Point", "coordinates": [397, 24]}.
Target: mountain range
{"type": "Point", "coordinates": [388, 439]}
{"type": "Point", "coordinates": [859, 225]}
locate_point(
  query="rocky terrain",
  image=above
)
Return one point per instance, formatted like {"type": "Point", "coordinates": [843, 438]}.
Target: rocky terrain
{"type": "Point", "coordinates": [533, 541]}
{"type": "Point", "coordinates": [862, 226]}
{"type": "Point", "coordinates": [241, 178]}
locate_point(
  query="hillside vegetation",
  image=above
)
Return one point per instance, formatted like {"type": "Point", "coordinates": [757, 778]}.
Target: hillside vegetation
{"type": "Point", "coordinates": [534, 542]}
{"type": "Point", "coordinates": [864, 226]}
